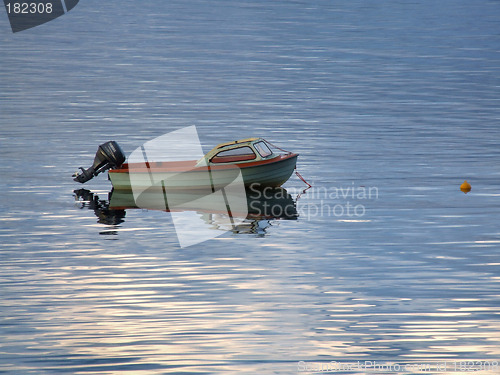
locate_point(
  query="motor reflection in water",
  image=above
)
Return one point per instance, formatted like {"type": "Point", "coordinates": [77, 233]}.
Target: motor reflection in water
{"type": "Point", "coordinates": [105, 214]}
{"type": "Point", "coordinates": [263, 207]}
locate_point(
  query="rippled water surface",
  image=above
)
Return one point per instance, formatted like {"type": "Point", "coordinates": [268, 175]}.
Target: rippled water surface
{"type": "Point", "coordinates": [391, 106]}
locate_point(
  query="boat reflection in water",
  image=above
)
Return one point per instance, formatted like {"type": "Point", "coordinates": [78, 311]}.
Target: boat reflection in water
{"type": "Point", "coordinates": [263, 207]}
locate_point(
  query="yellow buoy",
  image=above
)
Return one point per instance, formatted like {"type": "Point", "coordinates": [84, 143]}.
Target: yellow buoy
{"type": "Point", "coordinates": [465, 187]}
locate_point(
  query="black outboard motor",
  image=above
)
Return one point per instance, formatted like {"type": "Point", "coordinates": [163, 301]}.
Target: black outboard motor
{"type": "Point", "coordinates": [108, 155]}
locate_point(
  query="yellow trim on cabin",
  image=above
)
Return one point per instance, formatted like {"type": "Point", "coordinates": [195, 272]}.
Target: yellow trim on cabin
{"type": "Point", "coordinates": [236, 142]}
{"type": "Point", "coordinates": [229, 145]}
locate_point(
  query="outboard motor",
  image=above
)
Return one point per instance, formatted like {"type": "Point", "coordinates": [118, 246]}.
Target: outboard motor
{"type": "Point", "coordinates": [108, 155]}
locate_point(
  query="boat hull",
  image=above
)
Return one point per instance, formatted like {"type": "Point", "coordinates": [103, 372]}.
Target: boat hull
{"type": "Point", "coordinates": [183, 175]}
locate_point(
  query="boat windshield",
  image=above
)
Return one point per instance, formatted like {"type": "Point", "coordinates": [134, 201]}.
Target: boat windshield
{"type": "Point", "coordinates": [234, 155]}
{"type": "Point", "coordinates": [263, 149]}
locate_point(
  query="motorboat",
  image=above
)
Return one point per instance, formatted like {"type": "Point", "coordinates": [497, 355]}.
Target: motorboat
{"type": "Point", "coordinates": [254, 160]}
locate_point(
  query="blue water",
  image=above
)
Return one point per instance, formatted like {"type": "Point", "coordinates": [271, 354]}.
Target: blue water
{"type": "Point", "coordinates": [400, 97]}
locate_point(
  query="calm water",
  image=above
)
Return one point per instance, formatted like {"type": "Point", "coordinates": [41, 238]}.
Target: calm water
{"type": "Point", "coordinates": [399, 97]}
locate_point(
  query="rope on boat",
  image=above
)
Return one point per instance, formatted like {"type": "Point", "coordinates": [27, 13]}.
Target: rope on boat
{"type": "Point", "coordinates": [302, 178]}
{"type": "Point", "coordinates": [276, 147]}
{"type": "Point", "coordinates": [296, 172]}
{"type": "Point", "coordinates": [307, 183]}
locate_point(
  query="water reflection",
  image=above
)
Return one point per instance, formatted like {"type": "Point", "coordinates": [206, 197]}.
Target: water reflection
{"type": "Point", "coordinates": [263, 207]}
{"type": "Point", "coordinates": [105, 214]}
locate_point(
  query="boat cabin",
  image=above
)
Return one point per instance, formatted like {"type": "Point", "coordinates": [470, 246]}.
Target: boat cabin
{"type": "Point", "coordinates": [236, 152]}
